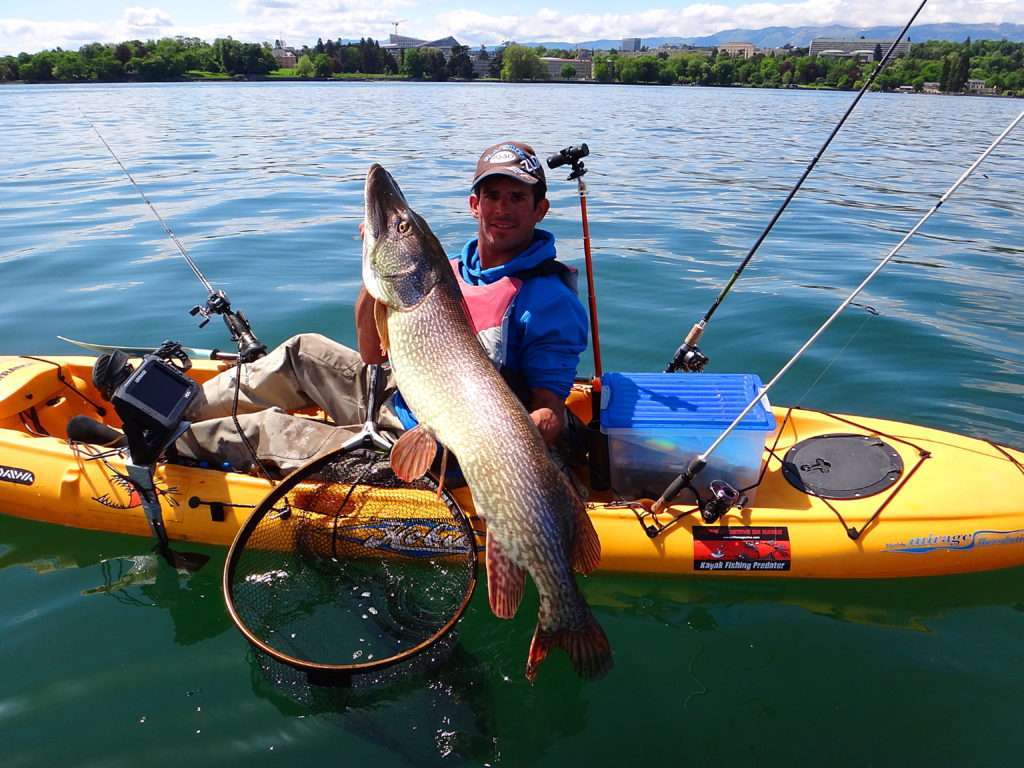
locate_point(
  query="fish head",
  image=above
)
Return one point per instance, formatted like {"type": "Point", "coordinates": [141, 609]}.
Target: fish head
{"type": "Point", "coordinates": [402, 259]}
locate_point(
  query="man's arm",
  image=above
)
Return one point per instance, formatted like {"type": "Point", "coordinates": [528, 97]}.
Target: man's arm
{"type": "Point", "coordinates": [548, 412]}
{"type": "Point", "coordinates": [367, 337]}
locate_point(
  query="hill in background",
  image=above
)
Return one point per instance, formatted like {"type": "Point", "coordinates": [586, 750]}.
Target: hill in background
{"type": "Point", "coordinates": [776, 37]}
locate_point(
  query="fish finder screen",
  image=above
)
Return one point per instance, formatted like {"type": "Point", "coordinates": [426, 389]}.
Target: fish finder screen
{"type": "Point", "coordinates": [158, 388]}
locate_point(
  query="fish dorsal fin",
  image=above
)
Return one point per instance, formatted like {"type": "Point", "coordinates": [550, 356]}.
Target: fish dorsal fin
{"type": "Point", "coordinates": [586, 546]}
{"type": "Point", "coordinates": [380, 318]}
{"type": "Point", "coordinates": [505, 581]}
{"type": "Point", "coordinates": [413, 453]}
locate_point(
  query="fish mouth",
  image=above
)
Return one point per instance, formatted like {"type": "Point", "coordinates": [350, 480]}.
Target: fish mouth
{"type": "Point", "coordinates": [383, 198]}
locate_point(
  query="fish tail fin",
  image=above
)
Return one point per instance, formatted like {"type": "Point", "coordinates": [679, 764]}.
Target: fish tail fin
{"type": "Point", "coordinates": [586, 546]}
{"type": "Point", "coordinates": [588, 649]}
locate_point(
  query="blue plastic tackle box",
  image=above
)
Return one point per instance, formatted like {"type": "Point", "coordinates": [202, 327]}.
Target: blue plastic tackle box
{"type": "Point", "coordinates": [657, 423]}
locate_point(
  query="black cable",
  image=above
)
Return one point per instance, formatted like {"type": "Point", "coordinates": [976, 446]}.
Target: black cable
{"type": "Point", "coordinates": [238, 425]}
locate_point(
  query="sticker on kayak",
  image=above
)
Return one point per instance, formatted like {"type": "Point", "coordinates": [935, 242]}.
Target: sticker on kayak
{"type": "Point", "coordinates": [16, 475]}
{"type": "Point", "coordinates": [957, 542]}
{"type": "Point", "coordinates": [740, 548]}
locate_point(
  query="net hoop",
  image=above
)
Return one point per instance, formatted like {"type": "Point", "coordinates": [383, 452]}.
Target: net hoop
{"type": "Point", "coordinates": [268, 504]}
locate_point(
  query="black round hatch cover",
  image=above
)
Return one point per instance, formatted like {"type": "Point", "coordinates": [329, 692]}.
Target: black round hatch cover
{"type": "Point", "coordinates": [842, 466]}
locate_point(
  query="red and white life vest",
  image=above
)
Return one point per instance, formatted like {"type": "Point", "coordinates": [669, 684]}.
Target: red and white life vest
{"type": "Point", "coordinates": [490, 307]}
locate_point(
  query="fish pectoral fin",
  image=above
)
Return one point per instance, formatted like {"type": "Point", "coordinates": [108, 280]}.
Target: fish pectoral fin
{"type": "Point", "coordinates": [506, 581]}
{"type": "Point", "coordinates": [586, 546]}
{"type": "Point", "coordinates": [380, 319]}
{"type": "Point", "coordinates": [413, 453]}
{"type": "Point", "coordinates": [588, 649]}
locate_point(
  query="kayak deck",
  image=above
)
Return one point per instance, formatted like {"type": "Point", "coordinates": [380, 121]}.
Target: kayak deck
{"type": "Point", "coordinates": [929, 521]}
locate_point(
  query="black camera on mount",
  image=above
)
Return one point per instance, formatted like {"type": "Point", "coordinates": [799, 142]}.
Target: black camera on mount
{"type": "Point", "coordinates": [567, 156]}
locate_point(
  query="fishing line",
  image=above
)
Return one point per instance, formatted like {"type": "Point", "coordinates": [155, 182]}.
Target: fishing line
{"type": "Point", "coordinates": [688, 357]}
{"type": "Point", "coordinates": [156, 213]}
{"type": "Point", "coordinates": [686, 478]}
{"type": "Point", "coordinates": [249, 347]}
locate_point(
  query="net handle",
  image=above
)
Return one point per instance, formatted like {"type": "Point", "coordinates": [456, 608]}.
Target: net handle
{"type": "Point", "coordinates": [267, 506]}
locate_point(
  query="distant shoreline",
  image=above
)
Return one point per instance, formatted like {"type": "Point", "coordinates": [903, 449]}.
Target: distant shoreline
{"type": "Point", "coordinates": [482, 80]}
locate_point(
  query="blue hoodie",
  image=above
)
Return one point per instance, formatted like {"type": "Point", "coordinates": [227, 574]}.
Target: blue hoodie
{"type": "Point", "coordinates": [547, 328]}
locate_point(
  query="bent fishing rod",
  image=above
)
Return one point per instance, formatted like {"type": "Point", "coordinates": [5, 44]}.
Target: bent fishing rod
{"type": "Point", "coordinates": [688, 357]}
{"type": "Point", "coordinates": [685, 480]}
{"type": "Point", "coordinates": [217, 303]}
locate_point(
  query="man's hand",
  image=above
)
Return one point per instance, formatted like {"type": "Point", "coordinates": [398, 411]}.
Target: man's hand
{"type": "Point", "coordinates": [367, 337]}
{"type": "Point", "coordinates": [548, 412]}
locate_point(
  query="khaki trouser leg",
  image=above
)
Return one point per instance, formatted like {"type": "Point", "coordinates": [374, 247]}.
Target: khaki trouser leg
{"type": "Point", "coordinates": [306, 371]}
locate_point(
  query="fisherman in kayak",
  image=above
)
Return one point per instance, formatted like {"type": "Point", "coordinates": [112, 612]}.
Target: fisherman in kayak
{"type": "Point", "coordinates": [520, 300]}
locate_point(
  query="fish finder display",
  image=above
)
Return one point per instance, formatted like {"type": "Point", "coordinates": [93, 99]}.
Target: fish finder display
{"type": "Point", "coordinates": [157, 387]}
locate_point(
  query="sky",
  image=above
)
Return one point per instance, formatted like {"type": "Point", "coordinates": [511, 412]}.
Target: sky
{"type": "Point", "coordinates": [31, 25]}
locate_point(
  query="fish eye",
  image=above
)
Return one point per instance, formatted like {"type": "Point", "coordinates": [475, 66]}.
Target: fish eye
{"type": "Point", "coordinates": [403, 226]}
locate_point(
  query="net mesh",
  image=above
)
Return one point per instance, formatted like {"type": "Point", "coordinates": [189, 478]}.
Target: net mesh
{"type": "Point", "coordinates": [345, 566]}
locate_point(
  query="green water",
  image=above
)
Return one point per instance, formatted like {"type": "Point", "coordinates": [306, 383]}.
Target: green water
{"type": "Point", "coordinates": [108, 657]}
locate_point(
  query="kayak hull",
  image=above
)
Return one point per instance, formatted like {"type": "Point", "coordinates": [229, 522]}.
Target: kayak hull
{"type": "Point", "coordinates": [932, 521]}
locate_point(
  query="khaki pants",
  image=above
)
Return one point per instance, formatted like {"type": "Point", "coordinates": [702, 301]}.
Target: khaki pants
{"type": "Point", "coordinates": [308, 370]}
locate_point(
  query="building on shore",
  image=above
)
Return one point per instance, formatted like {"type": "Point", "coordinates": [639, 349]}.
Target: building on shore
{"type": "Point", "coordinates": [930, 87]}
{"type": "Point", "coordinates": [583, 67]}
{"type": "Point", "coordinates": [398, 43]}
{"type": "Point", "coordinates": [977, 87]}
{"type": "Point", "coordinates": [285, 56]}
{"type": "Point", "coordinates": [860, 49]}
{"type": "Point", "coordinates": [631, 44]}
{"type": "Point", "coordinates": [737, 50]}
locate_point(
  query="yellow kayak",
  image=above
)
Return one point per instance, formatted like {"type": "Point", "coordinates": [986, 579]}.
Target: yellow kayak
{"type": "Point", "coordinates": [922, 515]}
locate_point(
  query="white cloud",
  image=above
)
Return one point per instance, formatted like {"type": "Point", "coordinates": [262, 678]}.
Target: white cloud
{"type": "Point", "coordinates": [303, 21]}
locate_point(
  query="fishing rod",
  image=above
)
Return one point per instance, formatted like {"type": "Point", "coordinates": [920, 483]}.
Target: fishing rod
{"type": "Point", "coordinates": [685, 480]}
{"type": "Point", "coordinates": [217, 303]}
{"type": "Point", "coordinates": [688, 357]}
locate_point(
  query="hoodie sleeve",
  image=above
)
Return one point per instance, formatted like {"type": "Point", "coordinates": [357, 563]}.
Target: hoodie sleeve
{"type": "Point", "coordinates": [553, 334]}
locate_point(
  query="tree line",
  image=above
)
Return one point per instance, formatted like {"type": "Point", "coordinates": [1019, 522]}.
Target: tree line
{"type": "Point", "coordinates": [165, 59]}
{"type": "Point", "coordinates": [999, 63]}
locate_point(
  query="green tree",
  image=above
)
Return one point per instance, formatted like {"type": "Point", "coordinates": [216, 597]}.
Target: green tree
{"type": "Point", "coordinates": [8, 68]}
{"type": "Point", "coordinates": [69, 65]}
{"type": "Point", "coordinates": [38, 67]}
{"type": "Point", "coordinates": [322, 65]}
{"type": "Point", "coordinates": [568, 72]}
{"type": "Point", "coordinates": [604, 70]}
{"type": "Point", "coordinates": [413, 63]}
{"type": "Point", "coordinates": [304, 67]}
{"type": "Point", "coordinates": [460, 65]}
{"type": "Point", "coordinates": [434, 65]}
{"type": "Point", "coordinates": [521, 63]}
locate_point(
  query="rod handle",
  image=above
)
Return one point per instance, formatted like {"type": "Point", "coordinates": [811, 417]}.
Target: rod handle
{"type": "Point", "coordinates": [682, 481]}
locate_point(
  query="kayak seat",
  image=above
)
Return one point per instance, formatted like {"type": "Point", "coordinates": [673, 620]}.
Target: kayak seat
{"type": "Point", "coordinates": [26, 382]}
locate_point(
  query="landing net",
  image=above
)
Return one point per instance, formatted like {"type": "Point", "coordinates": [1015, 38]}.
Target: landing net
{"type": "Point", "coordinates": [344, 567]}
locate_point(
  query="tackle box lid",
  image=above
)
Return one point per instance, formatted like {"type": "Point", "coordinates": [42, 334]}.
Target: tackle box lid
{"type": "Point", "coordinates": [682, 401]}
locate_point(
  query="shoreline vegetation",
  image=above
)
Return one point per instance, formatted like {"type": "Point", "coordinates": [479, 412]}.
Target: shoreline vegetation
{"type": "Point", "coordinates": [985, 67]}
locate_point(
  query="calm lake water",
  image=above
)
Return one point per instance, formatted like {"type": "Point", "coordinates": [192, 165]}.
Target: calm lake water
{"type": "Point", "coordinates": [108, 658]}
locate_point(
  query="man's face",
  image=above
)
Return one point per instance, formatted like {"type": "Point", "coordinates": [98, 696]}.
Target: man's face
{"type": "Point", "coordinates": [507, 216]}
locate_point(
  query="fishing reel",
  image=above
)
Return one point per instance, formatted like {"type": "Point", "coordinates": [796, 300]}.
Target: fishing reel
{"type": "Point", "coordinates": [249, 347]}
{"type": "Point", "coordinates": [723, 498]}
{"type": "Point", "coordinates": [687, 358]}
{"type": "Point", "coordinates": [570, 156]}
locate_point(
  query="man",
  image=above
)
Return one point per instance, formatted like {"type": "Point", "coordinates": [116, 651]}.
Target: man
{"type": "Point", "coordinates": [519, 301]}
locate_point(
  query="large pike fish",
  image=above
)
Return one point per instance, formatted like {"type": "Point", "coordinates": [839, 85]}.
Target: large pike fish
{"type": "Point", "coordinates": [535, 521]}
